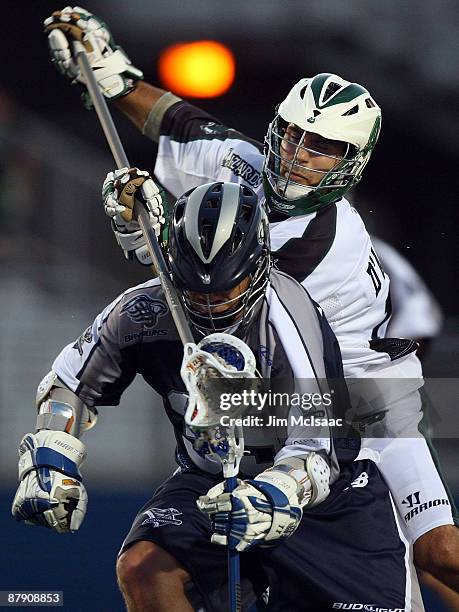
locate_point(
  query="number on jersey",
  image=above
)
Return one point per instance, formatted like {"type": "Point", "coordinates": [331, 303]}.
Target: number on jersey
{"type": "Point", "coordinates": [375, 271]}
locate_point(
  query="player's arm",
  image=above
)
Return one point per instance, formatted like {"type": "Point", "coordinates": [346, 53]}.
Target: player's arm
{"type": "Point", "coordinates": [389, 412]}
{"type": "Point", "coordinates": [51, 492]}
{"type": "Point", "coordinates": [193, 147]}
{"type": "Point", "coordinates": [138, 103]}
{"type": "Point", "coordinates": [88, 372]}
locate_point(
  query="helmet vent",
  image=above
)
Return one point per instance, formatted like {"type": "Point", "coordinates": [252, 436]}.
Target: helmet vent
{"type": "Point", "coordinates": [330, 91]}
{"type": "Point", "coordinates": [212, 202]}
{"type": "Point", "coordinates": [246, 191]}
{"type": "Point", "coordinates": [245, 212]}
{"type": "Point", "coordinates": [237, 240]}
{"type": "Point", "coordinates": [369, 102]}
{"type": "Point", "coordinates": [303, 91]}
{"type": "Point", "coordinates": [214, 195]}
{"type": "Point", "coordinates": [179, 210]}
{"type": "Point", "coordinates": [353, 111]}
{"type": "Point", "coordinates": [207, 234]}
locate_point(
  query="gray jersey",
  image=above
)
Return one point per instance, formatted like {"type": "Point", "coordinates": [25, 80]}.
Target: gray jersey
{"type": "Point", "coordinates": [135, 334]}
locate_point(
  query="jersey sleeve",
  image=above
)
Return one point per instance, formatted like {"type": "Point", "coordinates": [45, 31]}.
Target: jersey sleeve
{"type": "Point", "coordinates": [94, 367]}
{"type": "Point", "coordinates": [196, 148]}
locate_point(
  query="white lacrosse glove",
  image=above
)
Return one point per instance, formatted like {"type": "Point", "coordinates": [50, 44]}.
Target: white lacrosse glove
{"type": "Point", "coordinates": [50, 491]}
{"type": "Point", "coordinates": [216, 356]}
{"type": "Point", "coordinates": [266, 510]}
{"type": "Point", "coordinates": [120, 190]}
{"type": "Point", "coordinates": [113, 70]}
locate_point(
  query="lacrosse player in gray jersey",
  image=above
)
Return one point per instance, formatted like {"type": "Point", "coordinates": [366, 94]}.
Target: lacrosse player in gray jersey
{"type": "Point", "coordinates": [301, 490]}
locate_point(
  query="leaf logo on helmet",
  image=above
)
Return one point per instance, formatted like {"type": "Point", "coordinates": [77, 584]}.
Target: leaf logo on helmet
{"type": "Point", "coordinates": [219, 241]}
{"type": "Point", "coordinates": [336, 110]}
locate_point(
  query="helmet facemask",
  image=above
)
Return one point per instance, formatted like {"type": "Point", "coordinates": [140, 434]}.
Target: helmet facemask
{"type": "Point", "coordinates": [206, 313]}
{"type": "Point", "coordinates": [281, 169]}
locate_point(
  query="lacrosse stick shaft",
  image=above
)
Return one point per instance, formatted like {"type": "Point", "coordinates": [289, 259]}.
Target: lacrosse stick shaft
{"type": "Point", "coordinates": [140, 212]}
{"type": "Point", "coordinates": [230, 471]}
{"type": "Point", "coordinates": [234, 566]}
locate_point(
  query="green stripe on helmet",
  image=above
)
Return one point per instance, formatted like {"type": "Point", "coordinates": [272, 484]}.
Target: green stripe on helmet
{"type": "Point", "coordinates": [317, 84]}
{"type": "Point", "coordinates": [373, 135]}
{"type": "Point", "coordinates": [347, 94]}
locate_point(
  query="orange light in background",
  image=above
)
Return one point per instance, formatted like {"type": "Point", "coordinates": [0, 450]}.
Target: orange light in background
{"type": "Point", "coordinates": [203, 69]}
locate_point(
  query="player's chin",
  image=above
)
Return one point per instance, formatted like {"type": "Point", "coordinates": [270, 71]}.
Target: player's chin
{"type": "Point", "coordinates": [287, 172]}
{"type": "Point", "coordinates": [300, 180]}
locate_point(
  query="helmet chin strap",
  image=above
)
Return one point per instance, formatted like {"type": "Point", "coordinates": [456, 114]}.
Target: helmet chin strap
{"type": "Point", "coordinates": [233, 328]}
{"type": "Point", "coordinates": [204, 331]}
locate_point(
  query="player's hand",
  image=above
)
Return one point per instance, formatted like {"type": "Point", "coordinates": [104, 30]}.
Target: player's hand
{"type": "Point", "coordinates": [50, 491]}
{"type": "Point", "coordinates": [120, 190]}
{"type": "Point", "coordinates": [257, 511]}
{"type": "Point", "coordinates": [113, 70]}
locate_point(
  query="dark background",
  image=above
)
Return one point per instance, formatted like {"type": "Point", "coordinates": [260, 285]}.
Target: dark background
{"type": "Point", "coordinates": [412, 181]}
{"type": "Point", "coordinates": [60, 265]}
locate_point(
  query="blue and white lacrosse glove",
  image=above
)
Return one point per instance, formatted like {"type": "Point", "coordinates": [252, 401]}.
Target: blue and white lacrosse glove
{"type": "Point", "coordinates": [218, 355]}
{"type": "Point", "coordinates": [113, 70]}
{"type": "Point", "coordinates": [120, 190]}
{"type": "Point", "coordinates": [266, 510]}
{"type": "Point", "coordinates": [50, 491]}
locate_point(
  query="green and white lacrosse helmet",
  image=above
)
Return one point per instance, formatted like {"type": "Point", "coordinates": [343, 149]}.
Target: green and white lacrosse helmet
{"type": "Point", "coordinates": [334, 109]}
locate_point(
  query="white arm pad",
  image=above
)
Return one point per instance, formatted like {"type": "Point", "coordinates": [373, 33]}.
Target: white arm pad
{"type": "Point", "coordinates": [308, 477]}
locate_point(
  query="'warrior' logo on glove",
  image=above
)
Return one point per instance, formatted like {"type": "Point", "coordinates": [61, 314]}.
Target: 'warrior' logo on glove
{"type": "Point", "coordinates": [143, 309]}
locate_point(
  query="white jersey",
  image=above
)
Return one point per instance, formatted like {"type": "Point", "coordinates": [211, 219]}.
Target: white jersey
{"type": "Point", "coordinates": [329, 251]}
{"type": "Point", "coordinates": [341, 271]}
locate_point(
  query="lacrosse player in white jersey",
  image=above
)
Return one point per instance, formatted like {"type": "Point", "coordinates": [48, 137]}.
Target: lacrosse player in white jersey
{"type": "Point", "coordinates": [317, 147]}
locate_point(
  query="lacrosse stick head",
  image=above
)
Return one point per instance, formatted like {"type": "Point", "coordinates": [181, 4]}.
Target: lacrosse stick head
{"type": "Point", "coordinates": [204, 366]}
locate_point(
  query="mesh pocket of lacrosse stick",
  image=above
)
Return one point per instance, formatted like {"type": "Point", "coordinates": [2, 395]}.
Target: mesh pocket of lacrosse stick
{"type": "Point", "coordinates": [218, 356]}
